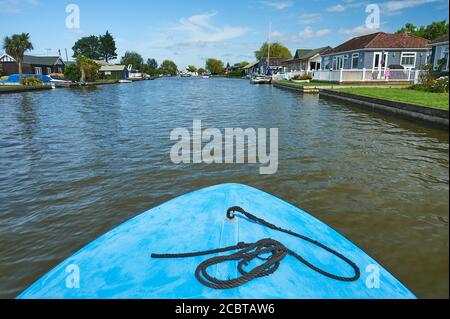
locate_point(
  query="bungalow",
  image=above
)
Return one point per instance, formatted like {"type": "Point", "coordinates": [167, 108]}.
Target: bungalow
{"type": "Point", "coordinates": [40, 65]}
{"type": "Point", "coordinates": [251, 68]}
{"type": "Point", "coordinates": [439, 53]}
{"type": "Point", "coordinates": [112, 71]}
{"type": "Point", "coordinates": [305, 60]}
{"type": "Point", "coordinates": [377, 51]}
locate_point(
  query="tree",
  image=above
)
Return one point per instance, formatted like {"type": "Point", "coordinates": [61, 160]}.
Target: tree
{"type": "Point", "coordinates": [430, 32]}
{"type": "Point", "coordinates": [191, 68]}
{"type": "Point", "coordinates": [277, 50]}
{"type": "Point", "coordinates": [88, 69]}
{"type": "Point", "coordinates": [214, 66]}
{"type": "Point", "coordinates": [107, 47]}
{"type": "Point", "coordinates": [151, 67]}
{"type": "Point", "coordinates": [72, 72]}
{"type": "Point", "coordinates": [152, 63]}
{"type": "Point", "coordinates": [201, 71]}
{"type": "Point", "coordinates": [89, 47]}
{"type": "Point", "coordinates": [168, 68]}
{"type": "Point", "coordinates": [132, 58]}
{"type": "Point", "coordinates": [16, 46]}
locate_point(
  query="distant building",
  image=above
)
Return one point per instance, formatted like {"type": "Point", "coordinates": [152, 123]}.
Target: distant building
{"type": "Point", "coordinates": [378, 50]}
{"type": "Point", "coordinates": [114, 71]}
{"type": "Point", "coordinates": [251, 68]}
{"type": "Point", "coordinates": [439, 52]}
{"type": "Point", "coordinates": [40, 65]}
{"type": "Point", "coordinates": [275, 65]}
{"type": "Point", "coordinates": [306, 60]}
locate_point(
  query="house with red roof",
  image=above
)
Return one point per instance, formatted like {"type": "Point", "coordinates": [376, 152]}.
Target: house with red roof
{"type": "Point", "coordinates": [378, 51]}
{"type": "Point", "coordinates": [439, 53]}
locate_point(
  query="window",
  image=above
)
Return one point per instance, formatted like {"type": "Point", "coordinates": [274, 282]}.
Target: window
{"type": "Point", "coordinates": [326, 61]}
{"type": "Point", "coordinates": [355, 60]}
{"type": "Point", "coordinates": [49, 70]}
{"type": "Point", "coordinates": [408, 59]}
{"type": "Point", "coordinates": [38, 70]}
{"type": "Point", "coordinates": [60, 70]}
{"type": "Point", "coordinates": [339, 62]}
{"type": "Point", "coordinates": [444, 57]}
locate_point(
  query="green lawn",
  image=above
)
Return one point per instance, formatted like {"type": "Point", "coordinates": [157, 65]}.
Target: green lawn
{"type": "Point", "coordinates": [428, 99]}
{"type": "Point", "coordinates": [309, 84]}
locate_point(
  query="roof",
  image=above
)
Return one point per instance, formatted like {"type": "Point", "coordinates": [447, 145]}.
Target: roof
{"type": "Point", "coordinates": [381, 40]}
{"type": "Point", "coordinates": [112, 68]}
{"type": "Point", "coordinates": [302, 54]}
{"type": "Point", "coordinates": [441, 39]}
{"type": "Point", "coordinates": [6, 58]}
{"type": "Point", "coordinates": [42, 60]}
{"type": "Point", "coordinates": [248, 66]}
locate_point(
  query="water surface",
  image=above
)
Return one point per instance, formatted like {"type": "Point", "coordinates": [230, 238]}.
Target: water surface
{"type": "Point", "coordinates": [74, 163]}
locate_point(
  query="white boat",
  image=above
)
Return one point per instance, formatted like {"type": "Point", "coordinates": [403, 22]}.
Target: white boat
{"type": "Point", "coordinates": [261, 80]}
{"type": "Point", "coordinates": [125, 81]}
{"type": "Point", "coordinates": [205, 77]}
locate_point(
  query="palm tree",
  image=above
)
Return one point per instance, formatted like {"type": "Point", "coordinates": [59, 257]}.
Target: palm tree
{"type": "Point", "coordinates": [16, 46]}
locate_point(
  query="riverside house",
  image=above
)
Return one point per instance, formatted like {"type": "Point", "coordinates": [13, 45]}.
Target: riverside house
{"type": "Point", "coordinates": [113, 71]}
{"type": "Point", "coordinates": [375, 57]}
{"type": "Point", "coordinates": [439, 53]}
{"type": "Point", "coordinates": [40, 65]}
{"type": "Point", "coordinates": [305, 60]}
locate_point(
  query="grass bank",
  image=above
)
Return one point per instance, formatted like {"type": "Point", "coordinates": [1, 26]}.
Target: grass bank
{"type": "Point", "coordinates": [405, 95]}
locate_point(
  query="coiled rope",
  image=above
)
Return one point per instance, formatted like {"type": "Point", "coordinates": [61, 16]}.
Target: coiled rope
{"type": "Point", "coordinates": [246, 253]}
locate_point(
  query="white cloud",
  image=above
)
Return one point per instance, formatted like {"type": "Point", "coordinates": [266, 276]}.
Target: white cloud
{"type": "Point", "coordinates": [14, 6]}
{"type": "Point", "coordinates": [358, 31]}
{"type": "Point", "coordinates": [279, 5]}
{"type": "Point", "coordinates": [309, 33]}
{"type": "Point", "coordinates": [336, 8]}
{"type": "Point", "coordinates": [198, 28]}
{"type": "Point", "coordinates": [310, 18]}
{"type": "Point", "coordinates": [398, 5]}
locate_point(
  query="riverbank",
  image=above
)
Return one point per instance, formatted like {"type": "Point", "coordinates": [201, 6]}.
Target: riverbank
{"type": "Point", "coordinates": [418, 113]}
{"type": "Point", "coordinates": [8, 89]}
{"type": "Point", "coordinates": [422, 107]}
{"type": "Point", "coordinates": [315, 87]}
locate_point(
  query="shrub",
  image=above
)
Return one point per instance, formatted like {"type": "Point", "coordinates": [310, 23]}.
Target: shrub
{"type": "Point", "coordinates": [72, 73]}
{"type": "Point", "coordinates": [439, 85]}
{"type": "Point", "coordinates": [303, 77]}
{"type": "Point", "coordinates": [235, 74]}
{"type": "Point", "coordinates": [32, 81]}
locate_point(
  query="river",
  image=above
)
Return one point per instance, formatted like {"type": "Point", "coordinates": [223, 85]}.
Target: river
{"type": "Point", "coordinates": [74, 163]}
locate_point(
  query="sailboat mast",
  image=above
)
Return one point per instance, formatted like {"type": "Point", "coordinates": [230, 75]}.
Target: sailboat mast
{"type": "Point", "coordinates": [268, 46]}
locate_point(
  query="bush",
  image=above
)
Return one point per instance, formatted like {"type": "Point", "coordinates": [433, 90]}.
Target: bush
{"type": "Point", "coordinates": [235, 74]}
{"type": "Point", "coordinates": [303, 77]}
{"type": "Point", "coordinates": [32, 81]}
{"type": "Point", "coordinates": [72, 73]}
{"type": "Point", "coordinates": [439, 85]}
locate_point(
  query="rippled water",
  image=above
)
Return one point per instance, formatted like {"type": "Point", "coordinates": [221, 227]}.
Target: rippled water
{"type": "Point", "coordinates": [74, 163]}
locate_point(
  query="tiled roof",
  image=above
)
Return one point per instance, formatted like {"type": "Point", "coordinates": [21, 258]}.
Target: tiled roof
{"type": "Point", "coordinates": [41, 60]}
{"type": "Point", "coordinates": [309, 53]}
{"type": "Point", "coordinates": [381, 40]}
{"type": "Point", "coordinates": [441, 39]}
{"type": "Point", "coordinates": [112, 68]}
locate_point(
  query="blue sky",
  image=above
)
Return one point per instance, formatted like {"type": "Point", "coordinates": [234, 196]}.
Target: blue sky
{"type": "Point", "coordinates": [188, 32]}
